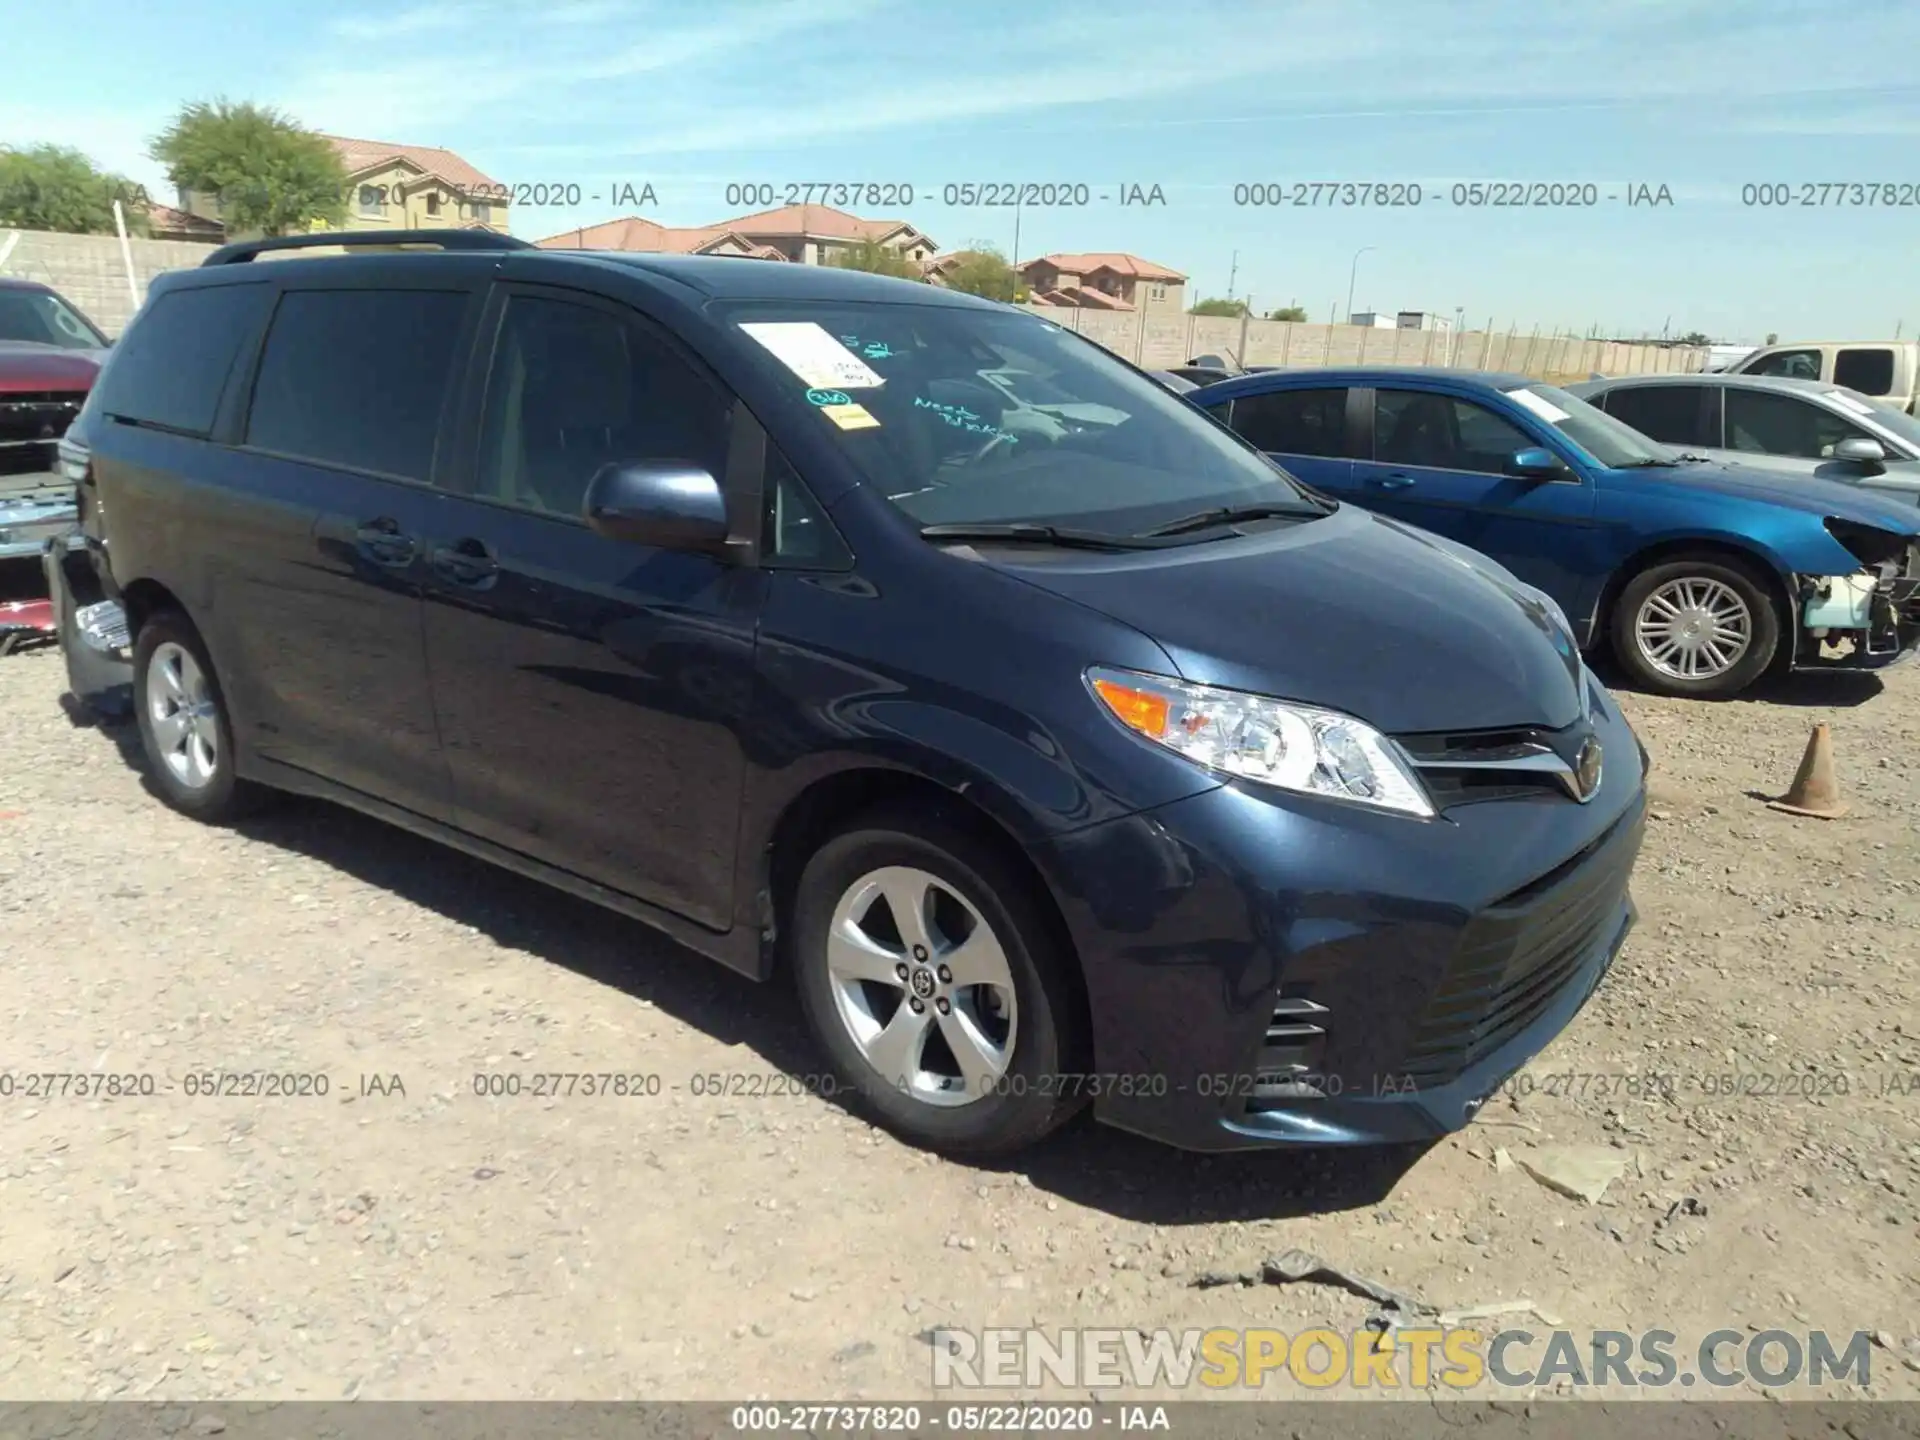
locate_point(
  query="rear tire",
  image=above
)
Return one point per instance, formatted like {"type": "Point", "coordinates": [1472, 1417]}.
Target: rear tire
{"type": "Point", "coordinates": [1698, 626]}
{"type": "Point", "coordinates": [900, 910]}
{"type": "Point", "coordinates": [184, 726]}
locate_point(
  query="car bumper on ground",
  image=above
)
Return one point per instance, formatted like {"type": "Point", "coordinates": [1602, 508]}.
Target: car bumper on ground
{"type": "Point", "coordinates": [1265, 971]}
{"type": "Point", "coordinates": [93, 631]}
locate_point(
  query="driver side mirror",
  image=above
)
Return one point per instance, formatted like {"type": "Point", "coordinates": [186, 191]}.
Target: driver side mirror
{"type": "Point", "coordinates": [1536, 462]}
{"type": "Point", "coordinates": [1862, 451]}
{"type": "Point", "coordinates": [668, 504]}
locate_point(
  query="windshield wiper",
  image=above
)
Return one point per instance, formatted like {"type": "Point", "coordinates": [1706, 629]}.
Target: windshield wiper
{"type": "Point", "coordinates": [1229, 515]}
{"type": "Point", "coordinates": [1647, 464]}
{"type": "Point", "coordinates": [1028, 533]}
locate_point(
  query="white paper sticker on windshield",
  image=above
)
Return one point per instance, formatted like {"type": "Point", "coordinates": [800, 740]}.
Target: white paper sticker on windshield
{"type": "Point", "coordinates": [820, 361]}
{"type": "Point", "coordinates": [1847, 402]}
{"type": "Point", "coordinates": [1539, 405]}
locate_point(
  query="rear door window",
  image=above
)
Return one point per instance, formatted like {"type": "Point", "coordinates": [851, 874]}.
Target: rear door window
{"type": "Point", "coordinates": [1868, 371]}
{"type": "Point", "coordinates": [357, 378]}
{"type": "Point", "coordinates": [1294, 422]}
{"type": "Point", "coordinates": [1672, 414]}
{"type": "Point", "coordinates": [172, 365]}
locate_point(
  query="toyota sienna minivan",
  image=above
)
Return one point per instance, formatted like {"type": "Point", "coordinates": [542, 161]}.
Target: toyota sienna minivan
{"type": "Point", "coordinates": [1061, 749]}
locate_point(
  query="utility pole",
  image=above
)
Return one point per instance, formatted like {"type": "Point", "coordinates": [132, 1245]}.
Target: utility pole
{"type": "Point", "coordinates": [1233, 274]}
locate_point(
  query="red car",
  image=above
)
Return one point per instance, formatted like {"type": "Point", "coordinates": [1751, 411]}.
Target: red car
{"type": "Point", "coordinates": [49, 356]}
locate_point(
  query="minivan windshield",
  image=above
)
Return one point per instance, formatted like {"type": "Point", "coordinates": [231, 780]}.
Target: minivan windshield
{"type": "Point", "coordinates": [43, 318]}
{"type": "Point", "coordinates": [963, 416]}
{"type": "Point", "coordinates": [1611, 442]}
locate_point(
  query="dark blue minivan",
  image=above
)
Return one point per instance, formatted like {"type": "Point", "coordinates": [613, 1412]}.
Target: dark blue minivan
{"type": "Point", "coordinates": [1059, 747]}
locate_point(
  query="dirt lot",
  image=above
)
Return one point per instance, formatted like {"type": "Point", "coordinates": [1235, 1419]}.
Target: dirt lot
{"type": "Point", "coordinates": [429, 1242]}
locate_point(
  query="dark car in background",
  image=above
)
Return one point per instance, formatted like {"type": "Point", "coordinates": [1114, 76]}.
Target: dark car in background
{"type": "Point", "coordinates": [1701, 575]}
{"type": "Point", "coordinates": [1804, 427]}
{"type": "Point", "coordinates": [50, 354]}
{"type": "Point", "coordinates": [1065, 749]}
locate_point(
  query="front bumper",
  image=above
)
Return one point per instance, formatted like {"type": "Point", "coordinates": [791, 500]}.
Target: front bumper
{"type": "Point", "coordinates": [1263, 970]}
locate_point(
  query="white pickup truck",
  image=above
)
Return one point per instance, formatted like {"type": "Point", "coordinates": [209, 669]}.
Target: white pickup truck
{"type": "Point", "coordinates": [1884, 370]}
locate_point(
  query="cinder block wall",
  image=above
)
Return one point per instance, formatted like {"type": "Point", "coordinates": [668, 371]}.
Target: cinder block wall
{"type": "Point", "coordinates": [91, 271]}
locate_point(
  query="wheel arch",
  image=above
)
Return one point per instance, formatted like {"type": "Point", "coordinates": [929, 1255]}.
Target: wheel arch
{"type": "Point", "coordinates": [830, 802]}
{"type": "Point", "coordinates": [1761, 563]}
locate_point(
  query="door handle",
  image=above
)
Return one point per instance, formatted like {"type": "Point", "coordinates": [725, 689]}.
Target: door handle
{"type": "Point", "coordinates": [467, 563]}
{"type": "Point", "coordinates": [382, 542]}
{"type": "Point", "coordinates": [1394, 482]}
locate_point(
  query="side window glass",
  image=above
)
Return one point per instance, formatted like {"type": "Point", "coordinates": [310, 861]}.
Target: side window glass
{"type": "Point", "coordinates": [575, 388]}
{"type": "Point", "coordinates": [172, 365]}
{"type": "Point", "coordinates": [1294, 422]}
{"type": "Point", "coordinates": [1790, 364]}
{"type": "Point", "coordinates": [798, 533]}
{"type": "Point", "coordinates": [1868, 371]}
{"type": "Point", "coordinates": [1765, 424]}
{"type": "Point", "coordinates": [1412, 427]}
{"type": "Point", "coordinates": [357, 378]}
{"type": "Point", "coordinates": [1667, 413]}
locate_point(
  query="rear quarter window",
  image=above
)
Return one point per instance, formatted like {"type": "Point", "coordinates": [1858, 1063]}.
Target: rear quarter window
{"type": "Point", "coordinates": [171, 367]}
{"type": "Point", "coordinates": [1868, 371]}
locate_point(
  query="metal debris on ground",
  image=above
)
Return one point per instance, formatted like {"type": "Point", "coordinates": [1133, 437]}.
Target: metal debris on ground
{"type": "Point", "coordinates": [1295, 1266]}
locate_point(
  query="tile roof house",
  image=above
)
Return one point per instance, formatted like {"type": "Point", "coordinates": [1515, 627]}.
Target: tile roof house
{"type": "Point", "coordinates": [166, 223]}
{"type": "Point", "coordinates": [643, 236]}
{"type": "Point", "coordinates": [405, 187]}
{"type": "Point", "coordinates": [1105, 280]}
{"type": "Point", "coordinates": [810, 234]}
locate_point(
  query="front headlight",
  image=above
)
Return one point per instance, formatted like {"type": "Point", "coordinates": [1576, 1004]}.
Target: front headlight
{"type": "Point", "coordinates": [1292, 747]}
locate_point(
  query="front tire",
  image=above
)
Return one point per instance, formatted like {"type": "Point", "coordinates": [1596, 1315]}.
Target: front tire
{"type": "Point", "coordinates": [929, 973]}
{"type": "Point", "coordinates": [1697, 626]}
{"type": "Point", "coordinates": [184, 726]}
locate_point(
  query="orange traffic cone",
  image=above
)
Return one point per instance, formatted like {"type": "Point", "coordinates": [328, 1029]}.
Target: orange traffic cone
{"type": "Point", "coordinates": [1814, 790]}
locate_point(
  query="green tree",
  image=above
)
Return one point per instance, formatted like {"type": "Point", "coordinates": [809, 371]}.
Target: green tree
{"type": "Point", "coordinates": [1695, 337]}
{"type": "Point", "coordinates": [273, 176]}
{"type": "Point", "coordinates": [877, 259]}
{"type": "Point", "coordinates": [51, 187]}
{"type": "Point", "coordinates": [1295, 313]}
{"type": "Point", "coordinates": [1220, 307]}
{"type": "Point", "coordinates": [982, 270]}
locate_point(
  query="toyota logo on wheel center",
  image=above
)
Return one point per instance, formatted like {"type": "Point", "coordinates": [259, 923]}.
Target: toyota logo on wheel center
{"type": "Point", "coordinates": [923, 982]}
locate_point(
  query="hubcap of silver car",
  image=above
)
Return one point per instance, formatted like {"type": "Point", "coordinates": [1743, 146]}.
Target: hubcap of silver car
{"type": "Point", "coordinates": [1693, 628]}
{"type": "Point", "coordinates": [181, 713]}
{"type": "Point", "coordinates": [923, 986]}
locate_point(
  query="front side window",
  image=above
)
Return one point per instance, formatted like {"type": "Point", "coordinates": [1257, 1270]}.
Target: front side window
{"type": "Point", "coordinates": [1671, 414]}
{"type": "Point", "coordinates": [1788, 364]}
{"type": "Point", "coordinates": [962, 415]}
{"type": "Point", "coordinates": [357, 378]}
{"type": "Point", "coordinates": [1763, 423]}
{"type": "Point", "coordinates": [575, 388]}
{"type": "Point", "coordinates": [1868, 371]}
{"type": "Point", "coordinates": [1416, 427]}
{"type": "Point", "coordinates": [43, 318]}
{"type": "Point", "coordinates": [1294, 422]}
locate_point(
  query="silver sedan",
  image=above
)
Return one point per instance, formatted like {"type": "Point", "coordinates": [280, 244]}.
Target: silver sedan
{"type": "Point", "coordinates": [1799, 426]}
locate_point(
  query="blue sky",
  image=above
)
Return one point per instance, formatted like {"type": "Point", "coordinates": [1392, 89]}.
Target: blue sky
{"type": "Point", "coordinates": [1702, 96]}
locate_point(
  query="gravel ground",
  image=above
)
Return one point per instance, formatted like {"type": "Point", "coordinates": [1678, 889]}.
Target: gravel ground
{"type": "Point", "coordinates": [403, 1237]}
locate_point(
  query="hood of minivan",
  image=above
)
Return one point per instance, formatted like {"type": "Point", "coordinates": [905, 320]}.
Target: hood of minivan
{"type": "Point", "coordinates": [1351, 611]}
{"type": "Point", "coordinates": [1795, 491]}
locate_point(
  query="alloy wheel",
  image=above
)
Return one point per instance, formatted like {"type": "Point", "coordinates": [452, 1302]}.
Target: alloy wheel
{"type": "Point", "coordinates": [1693, 628]}
{"type": "Point", "coordinates": [183, 716]}
{"type": "Point", "coordinates": [922, 985]}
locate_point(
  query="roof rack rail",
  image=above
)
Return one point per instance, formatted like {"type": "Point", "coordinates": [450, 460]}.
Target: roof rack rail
{"type": "Point", "coordinates": [242, 251]}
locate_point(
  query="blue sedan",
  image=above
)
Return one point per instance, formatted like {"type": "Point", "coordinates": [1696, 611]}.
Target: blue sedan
{"type": "Point", "coordinates": [1702, 575]}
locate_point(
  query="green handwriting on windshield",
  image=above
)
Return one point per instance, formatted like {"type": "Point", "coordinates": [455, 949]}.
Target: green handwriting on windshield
{"type": "Point", "coordinates": [868, 349]}
{"type": "Point", "coordinates": [962, 418]}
